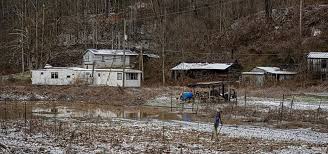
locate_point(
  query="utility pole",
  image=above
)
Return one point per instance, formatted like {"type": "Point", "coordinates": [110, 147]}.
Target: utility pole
{"type": "Point", "coordinates": [22, 38]}
{"type": "Point", "coordinates": [163, 47]}
{"type": "Point", "coordinates": [42, 37]}
{"type": "Point", "coordinates": [142, 64]}
{"type": "Point", "coordinates": [36, 31]}
{"type": "Point", "coordinates": [112, 36]}
{"type": "Point", "coordinates": [124, 45]}
{"type": "Point", "coordinates": [301, 11]}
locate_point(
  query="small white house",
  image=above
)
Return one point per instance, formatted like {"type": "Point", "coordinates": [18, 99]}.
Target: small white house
{"type": "Point", "coordinates": [75, 75]}
{"type": "Point", "coordinates": [107, 58]}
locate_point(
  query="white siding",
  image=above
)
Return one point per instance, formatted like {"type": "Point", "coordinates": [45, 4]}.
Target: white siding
{"type": "Point", "coordinates": [107, 78]}
{"type": "Point", "coordinates": [133, 83]}
{"type": "Point", "coordinates": [43, 77]}
{"type": "Point", "coordinates": [101, 77]}
{"type": "Point", "coordinates": [104, 61]}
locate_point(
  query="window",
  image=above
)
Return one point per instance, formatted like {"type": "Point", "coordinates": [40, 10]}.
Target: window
{"type": "Point", "coordinates": [54, 75]}
{"type": "Point", "coordinates": [323, 63]}
{"type": "Point", "coordinates": [131, 76]}
{"type": "Point", "coordinates": [86, 57]}
{"type": "Point", "coordinates": [122, 58]}
{"type": "Point", "coordinates": [119, 76]}
{"type": "Point", "coordinates": [68, 76]}
{"type": "Point", "coordinates": [102, 58]}
{"type": "Point", "coordinates": [114, 58]}
{"type": "Point", "coordinates": [98, 74]}
{"type": "Point", "coordinates": [41, 73]}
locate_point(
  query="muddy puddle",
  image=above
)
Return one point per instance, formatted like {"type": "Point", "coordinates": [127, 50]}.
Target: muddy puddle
{"type": "Point", "coordinates": [30, 110]}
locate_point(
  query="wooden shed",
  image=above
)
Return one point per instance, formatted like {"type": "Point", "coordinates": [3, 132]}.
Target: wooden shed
{"type": "Point", "coordinates": [222, 71]}
{"type": "Point", "coordinates": [317, 64]}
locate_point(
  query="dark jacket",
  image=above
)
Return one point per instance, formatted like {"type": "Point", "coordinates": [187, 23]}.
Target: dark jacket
{"type": "Point", "coordinates": [217, 119]}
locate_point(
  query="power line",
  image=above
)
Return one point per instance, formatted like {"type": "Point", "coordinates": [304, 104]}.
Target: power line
{"type": "Point", "coordinates": [228, 52]}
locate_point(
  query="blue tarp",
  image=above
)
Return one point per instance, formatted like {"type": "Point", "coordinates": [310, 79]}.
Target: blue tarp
{"type": "Point", "coordinates": [186, 96]}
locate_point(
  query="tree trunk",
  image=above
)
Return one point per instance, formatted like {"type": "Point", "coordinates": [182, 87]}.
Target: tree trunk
{"type": "Point", "coordinates": [268, 9]}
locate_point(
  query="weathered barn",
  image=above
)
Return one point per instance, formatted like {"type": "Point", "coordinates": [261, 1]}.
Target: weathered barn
{"type": "Point", "coordinates": [253, 78]}
{"type": "Point", "coordinates": [74, 75]}
{"type": "Point", "coordinates": [106, 58]}
{"type": "Point", "coordinates": [317, 64]}
{"type": "Point", "coordinates": [259, 75]}
{"type": "Point", "coordinates": [217, 71]}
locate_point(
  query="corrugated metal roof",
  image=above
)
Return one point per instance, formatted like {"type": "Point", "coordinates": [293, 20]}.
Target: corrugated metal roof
{"type": "Point", "coordinates": [119, 52]}
{"type": "Point", "coordinates": [202, 66]}
{"type": "Point", "coordinates": [276, 70]}
{"type": "Point", "coordinates": [252, 73]}
{"type": "Point", "coordinates": [84, 69]}
{"type": "Point", "coordinates": [269, 69]}
{"type": "Point", "coordinates": [318, 55]}
{"type": "Point", "coordinates": [112, 52]}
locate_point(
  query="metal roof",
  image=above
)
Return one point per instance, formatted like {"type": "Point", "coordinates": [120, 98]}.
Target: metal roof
{"type": "Point", "coordinates": [202, 66]}
{"type": "Point", "coordinates": [276, 70]}
{"type": "Point", "coordinates": [209, 84]}
{"type": "Point", "coordinates": [112, 52]}
{"type": "Point", "coordinates": [252, 73]}
{"type": "Point", "coordinates": [269, 69]}
{"type": "Point", "coordinates": [120, 52]}
{"type": "Point", "coordinates": [318, 55]}
{"type": "Point", "coordinates": [84, 69]}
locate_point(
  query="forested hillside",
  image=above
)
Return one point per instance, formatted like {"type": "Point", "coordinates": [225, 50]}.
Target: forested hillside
{"type": "Point", "coordinates": [253, 32]}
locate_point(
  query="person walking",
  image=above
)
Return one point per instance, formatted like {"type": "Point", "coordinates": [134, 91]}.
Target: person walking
{"type": "Point", "coordinates": [217, 122]}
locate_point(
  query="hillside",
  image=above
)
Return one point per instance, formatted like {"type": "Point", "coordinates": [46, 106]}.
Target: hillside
{"type": "Point", "coordinates": [222, 31]}
{"type": "Point", "coordinates": [259, 41]}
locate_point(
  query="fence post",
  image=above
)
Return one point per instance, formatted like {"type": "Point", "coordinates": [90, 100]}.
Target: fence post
{"type": "Point", "coordinates": [197, 107]}
{"type": "Point", "coordinates": [171, 102]}
{"type": "Point", "coordinates": [193, 102]}
{"type": "Point", "coordinates": [245, 102]}
{"type": "Point", "coordinates": [318, 112]}
{"type": "Point", "coordinates": [5, 110]}
{"type": "Point", "coordinates": [25, 112]}
{"type": "Point", "coordinates": [282, 107]}
{"type": "Point", "coordinates": [163, 134]}
{"type": "Point", "coordinates": [5, 122]}
{"type": "Point", "coordinates": [291, 107]}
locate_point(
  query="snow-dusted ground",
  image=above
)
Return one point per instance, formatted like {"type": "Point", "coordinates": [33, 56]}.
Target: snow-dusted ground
{"type": "Point", "coordinates": [273, 103]}
{"type": "Point", "coordinates": [135, 136]}
{"type": "Point", "coordinates": [302, 135]}
{"type": "Point", "coordinates": [164, 100]}
{"type": "Point", "coordinates": [21, 97]}
{"type": "Point", "coordinates": [298, 103]}
{"type": "Point", "coordinates": [301, 150]}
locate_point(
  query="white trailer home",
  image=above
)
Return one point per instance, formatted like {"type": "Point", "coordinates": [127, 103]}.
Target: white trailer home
{"type": "Point", "coordinates": [75, 75]}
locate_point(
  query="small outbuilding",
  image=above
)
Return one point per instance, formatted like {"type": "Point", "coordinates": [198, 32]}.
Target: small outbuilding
{"type": "Point", "coordinates": [222, 71]}
{"type": "Point", "coordinates": [259, 75]}
{"type": "Point", "coordinates": [317, 64]}
{"type": "Point", "coordinates": [75, 75]}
